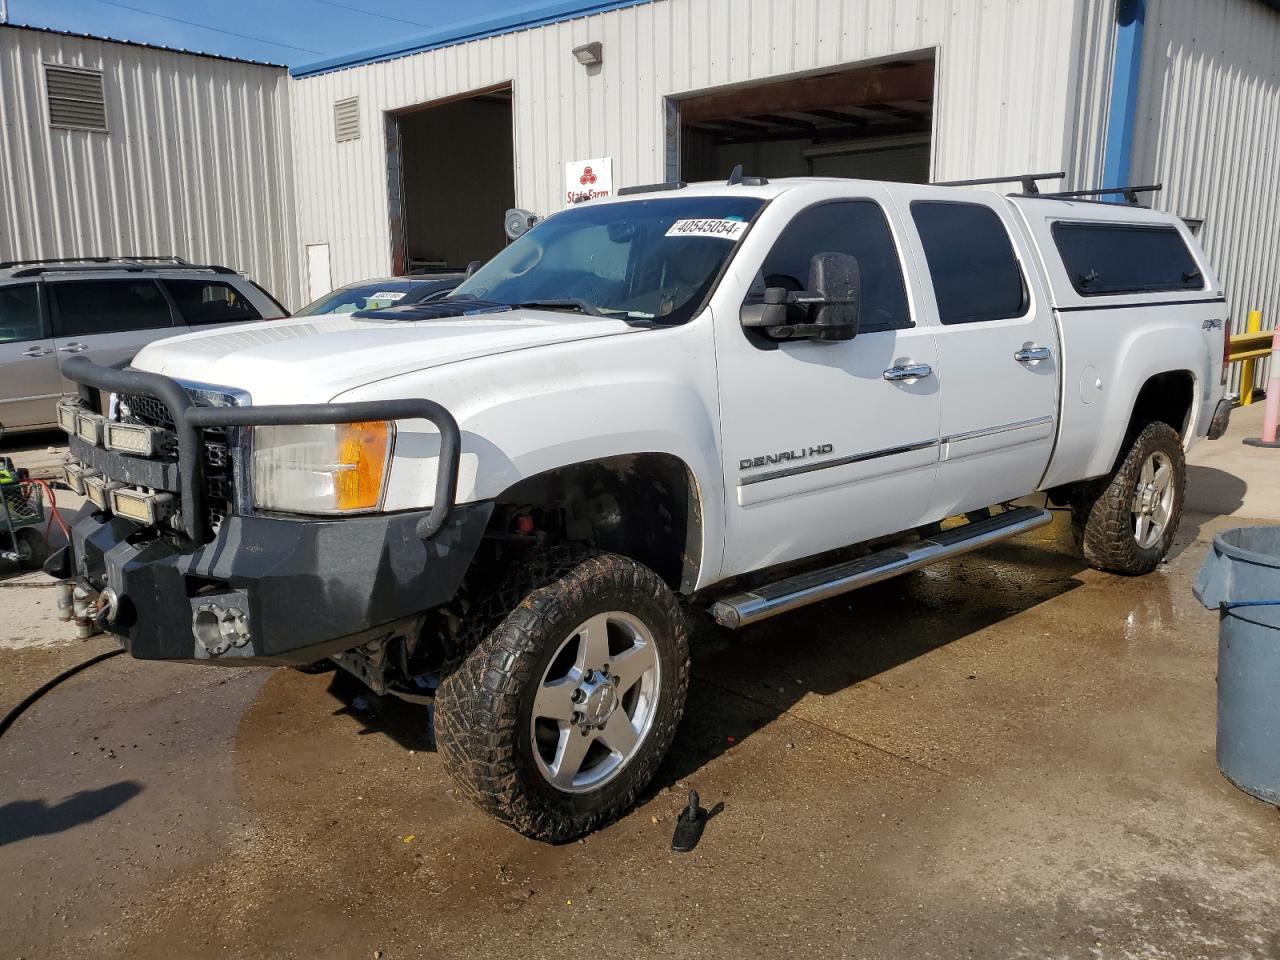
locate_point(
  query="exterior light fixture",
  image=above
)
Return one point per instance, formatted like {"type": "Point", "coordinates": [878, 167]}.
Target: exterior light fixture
{"type": "Point", "coordinates": [590, 54]}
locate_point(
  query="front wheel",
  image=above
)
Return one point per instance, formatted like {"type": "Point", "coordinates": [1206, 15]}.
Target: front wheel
{"type": "Point", "coordinates": [1125, 523]}
{"type": "Point", "coordinates": [561, 715]}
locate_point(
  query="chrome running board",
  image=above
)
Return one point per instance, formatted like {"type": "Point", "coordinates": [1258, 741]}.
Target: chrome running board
{"type": "Point", "coordinates": [782, 596]}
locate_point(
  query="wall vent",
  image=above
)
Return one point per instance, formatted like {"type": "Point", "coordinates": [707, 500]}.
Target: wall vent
{"type": "Point", "coordinates": [346, 119]}
{"type": "Point", "coordinates": [75, 97]}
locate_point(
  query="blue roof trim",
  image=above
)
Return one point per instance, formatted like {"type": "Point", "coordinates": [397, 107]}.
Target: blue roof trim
{"type": "Point", "coordinates": [525, 16]}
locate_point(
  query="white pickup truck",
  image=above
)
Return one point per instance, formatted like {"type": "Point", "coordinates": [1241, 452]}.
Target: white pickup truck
{"type": "Point", "coordinates": [737, 398]}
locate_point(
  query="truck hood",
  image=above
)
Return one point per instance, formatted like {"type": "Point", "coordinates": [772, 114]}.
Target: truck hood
{"type": "Point", "coordinates": [313, 359]}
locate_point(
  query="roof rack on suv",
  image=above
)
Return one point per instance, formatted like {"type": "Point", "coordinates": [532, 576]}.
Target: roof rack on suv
{"type": "Point", "coordinates": [1130, 192]}
{"type": "Point", "coordinates": [31, 268]}
{"type": "Point", "coordinates": [1028, 181]}
{"type": "Point", "coordinates": [168, 257]}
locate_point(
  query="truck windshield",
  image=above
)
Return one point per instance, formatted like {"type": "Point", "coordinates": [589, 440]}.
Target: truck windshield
{"type": "Point", "coordinates": [640, 259]}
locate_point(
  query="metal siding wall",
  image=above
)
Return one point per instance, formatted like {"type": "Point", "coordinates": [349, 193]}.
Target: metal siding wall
{"type": "Point", "coordinates": [1090, 94]}
{"type": "Point", "coordinates": [1005, 80]}
{"type": "Point", "coordinates": [1209, 127]}
{"type": "Point", "coordinates": [197, 161]}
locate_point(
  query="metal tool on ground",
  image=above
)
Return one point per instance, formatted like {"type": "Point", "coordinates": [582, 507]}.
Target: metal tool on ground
{"type": "Point", "coordinates": [1271, 415]}
{"type": "Point", "coordinates": [1241, 579]}
{"type": "Point", "coordinates": [689, 825]}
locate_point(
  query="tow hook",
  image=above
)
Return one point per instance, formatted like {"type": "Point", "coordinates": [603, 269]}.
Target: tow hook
{"type": "Point", "coordinates": [90, 609]}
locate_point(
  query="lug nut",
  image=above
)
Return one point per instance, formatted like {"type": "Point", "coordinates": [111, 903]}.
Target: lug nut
{"type": "Point", "coordinates": [576, 718]}
{"type": "Point", "coordinates": [577, 696]}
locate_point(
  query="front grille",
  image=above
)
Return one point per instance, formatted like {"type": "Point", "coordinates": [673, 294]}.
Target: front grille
{"type": "Point", "coordinates": [219, 474]}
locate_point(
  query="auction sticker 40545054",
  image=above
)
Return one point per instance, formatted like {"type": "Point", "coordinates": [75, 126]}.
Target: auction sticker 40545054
{"type": "Point", "coordinates": [723, 229]}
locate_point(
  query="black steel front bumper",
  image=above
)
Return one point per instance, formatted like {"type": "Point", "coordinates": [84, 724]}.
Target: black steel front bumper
{"type": "Point", "coordinates": [295, 589]}
{"type": "Point", "coordinates": [307, 588]}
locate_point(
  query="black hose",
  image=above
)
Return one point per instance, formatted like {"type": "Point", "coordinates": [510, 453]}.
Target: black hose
{"type": "Point", "coordinates": [40, 691]}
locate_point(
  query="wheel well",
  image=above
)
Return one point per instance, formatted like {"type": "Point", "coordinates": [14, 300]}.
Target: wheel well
{"type": "Point", "coordinates": [1164, 398]}
{"type": "Point", "coordinates": [644, 506]}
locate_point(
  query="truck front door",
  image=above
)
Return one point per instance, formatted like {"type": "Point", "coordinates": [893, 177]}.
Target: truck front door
{"type": "Point", "coordinates": [825, 443]}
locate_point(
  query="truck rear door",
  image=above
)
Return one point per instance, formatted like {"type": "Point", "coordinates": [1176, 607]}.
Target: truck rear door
{"type": "Point", "coordinates": [998, 357]}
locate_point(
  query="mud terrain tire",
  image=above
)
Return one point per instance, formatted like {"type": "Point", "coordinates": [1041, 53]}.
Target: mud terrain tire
{"type": "Point", "coordinates": [1102, 511]}
{"type": "Point", "coordinates": [485, 723]}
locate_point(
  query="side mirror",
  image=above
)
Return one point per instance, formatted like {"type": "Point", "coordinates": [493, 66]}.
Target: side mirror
{"type": "Point", "coordinates": [836, 284]}
{"type": "Point", "coordinates": [828, 310]}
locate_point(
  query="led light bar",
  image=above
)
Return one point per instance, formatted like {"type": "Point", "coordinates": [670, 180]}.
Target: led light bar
{"type": "Point", "coordinates": [67, 411]}
{"type": "Point", "coordinates": [135, 438]}
{"type": "Point", "coordinates": [89, 427]}
{"type": "Point", "coordinates": [74, 474]}
{"type": "Point", "coordinates": [98, 489]}
{"type": "Point", "coordinates": [134, 504]}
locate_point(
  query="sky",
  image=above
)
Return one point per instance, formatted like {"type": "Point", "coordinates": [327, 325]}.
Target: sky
{"type": "Point", "coordinates": [290, 32]}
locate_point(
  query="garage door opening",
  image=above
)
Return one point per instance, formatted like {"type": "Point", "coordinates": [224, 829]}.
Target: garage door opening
{"type": "Point", "coordinates": [872, 122]}
{"type": "Point", "coordinates": [451, 173]}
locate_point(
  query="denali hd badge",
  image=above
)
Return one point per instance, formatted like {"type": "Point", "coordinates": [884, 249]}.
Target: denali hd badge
{"type": "Point", "coordinates": [786, 456]}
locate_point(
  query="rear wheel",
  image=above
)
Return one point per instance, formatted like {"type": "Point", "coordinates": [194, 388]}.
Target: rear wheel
{"type": "Point", "coordinates": [1126, 523]}
{"type": "Point", "coordinates": [560, 716]}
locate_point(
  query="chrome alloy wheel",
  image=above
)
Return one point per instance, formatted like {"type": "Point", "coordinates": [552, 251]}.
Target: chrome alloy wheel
{"type": "Point", "coordinates": [1152, 504]}
{"type": "Point", "coordinates": [596, 702]}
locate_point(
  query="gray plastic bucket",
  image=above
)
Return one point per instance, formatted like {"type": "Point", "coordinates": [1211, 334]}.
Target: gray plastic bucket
{"type": "Point", "coordinates": [1241, 579]}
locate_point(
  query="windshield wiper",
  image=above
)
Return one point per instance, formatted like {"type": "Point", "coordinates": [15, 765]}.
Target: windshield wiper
{"type": "Point", "coordinates": [568, 303]}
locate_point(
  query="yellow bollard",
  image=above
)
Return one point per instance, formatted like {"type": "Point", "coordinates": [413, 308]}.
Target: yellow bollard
{"type": "Point", "coordinates": [1246, 370]}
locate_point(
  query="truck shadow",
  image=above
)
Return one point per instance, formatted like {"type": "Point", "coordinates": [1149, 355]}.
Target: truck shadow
{"type": "Point", "coordinates": [743, 681]}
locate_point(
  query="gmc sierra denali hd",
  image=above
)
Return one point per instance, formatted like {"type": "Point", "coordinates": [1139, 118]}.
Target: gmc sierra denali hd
{"type": "Point", "coordinates": [726, 399]}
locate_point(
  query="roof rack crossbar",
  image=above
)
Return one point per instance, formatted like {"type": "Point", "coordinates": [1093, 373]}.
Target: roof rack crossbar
{"type": "Point", "coordinates": [1028, 181]}
{"type": "Point", "coordinates": [1130, 192]}
{"type": "Point", "coordinates": [142, 257]}
{"type": "Point", "coordinates": [652, 187]}
{"type": "Point", "coordinates": [736, 179]}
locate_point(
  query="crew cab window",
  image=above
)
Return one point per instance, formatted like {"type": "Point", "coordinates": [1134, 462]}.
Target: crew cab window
{"type": "Point", "coordinates": [975, 273]}
{"type": "Point", "coordinates": [1105, 258]}
{"type": "Point", "coordinates": [20, 314]}
{"type": "Point", "coordinates": [82, 308]}
{"type": "Point", "coordinates": [855, 227]}
{"type": "Point", "coordinates": [203, 301]}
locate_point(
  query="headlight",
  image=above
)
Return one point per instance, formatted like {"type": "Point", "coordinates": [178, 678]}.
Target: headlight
{"type": "Point", "coordinates": [323, 468]}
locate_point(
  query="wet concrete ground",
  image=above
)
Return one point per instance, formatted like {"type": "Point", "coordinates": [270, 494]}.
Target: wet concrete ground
{"type": "Point", "coordinates": [1006, 755]}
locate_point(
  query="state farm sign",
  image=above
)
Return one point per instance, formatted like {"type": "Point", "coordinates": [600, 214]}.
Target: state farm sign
{"type": "Point", "coordinates": [588, 179]}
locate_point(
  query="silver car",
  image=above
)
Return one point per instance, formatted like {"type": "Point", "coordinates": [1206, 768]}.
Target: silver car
{"type": "Point", "coordinates": [107, 308]}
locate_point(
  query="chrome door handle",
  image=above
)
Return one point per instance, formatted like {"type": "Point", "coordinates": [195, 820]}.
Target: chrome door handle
{"type": "Point", "coordinates": [74, 348]}
{"type": "Point", "coordinates": [1032, 354]}
{"type": "Point", "coordinates": [37, 352]}
{"type": "Point", "coordinates": [908, 371]}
